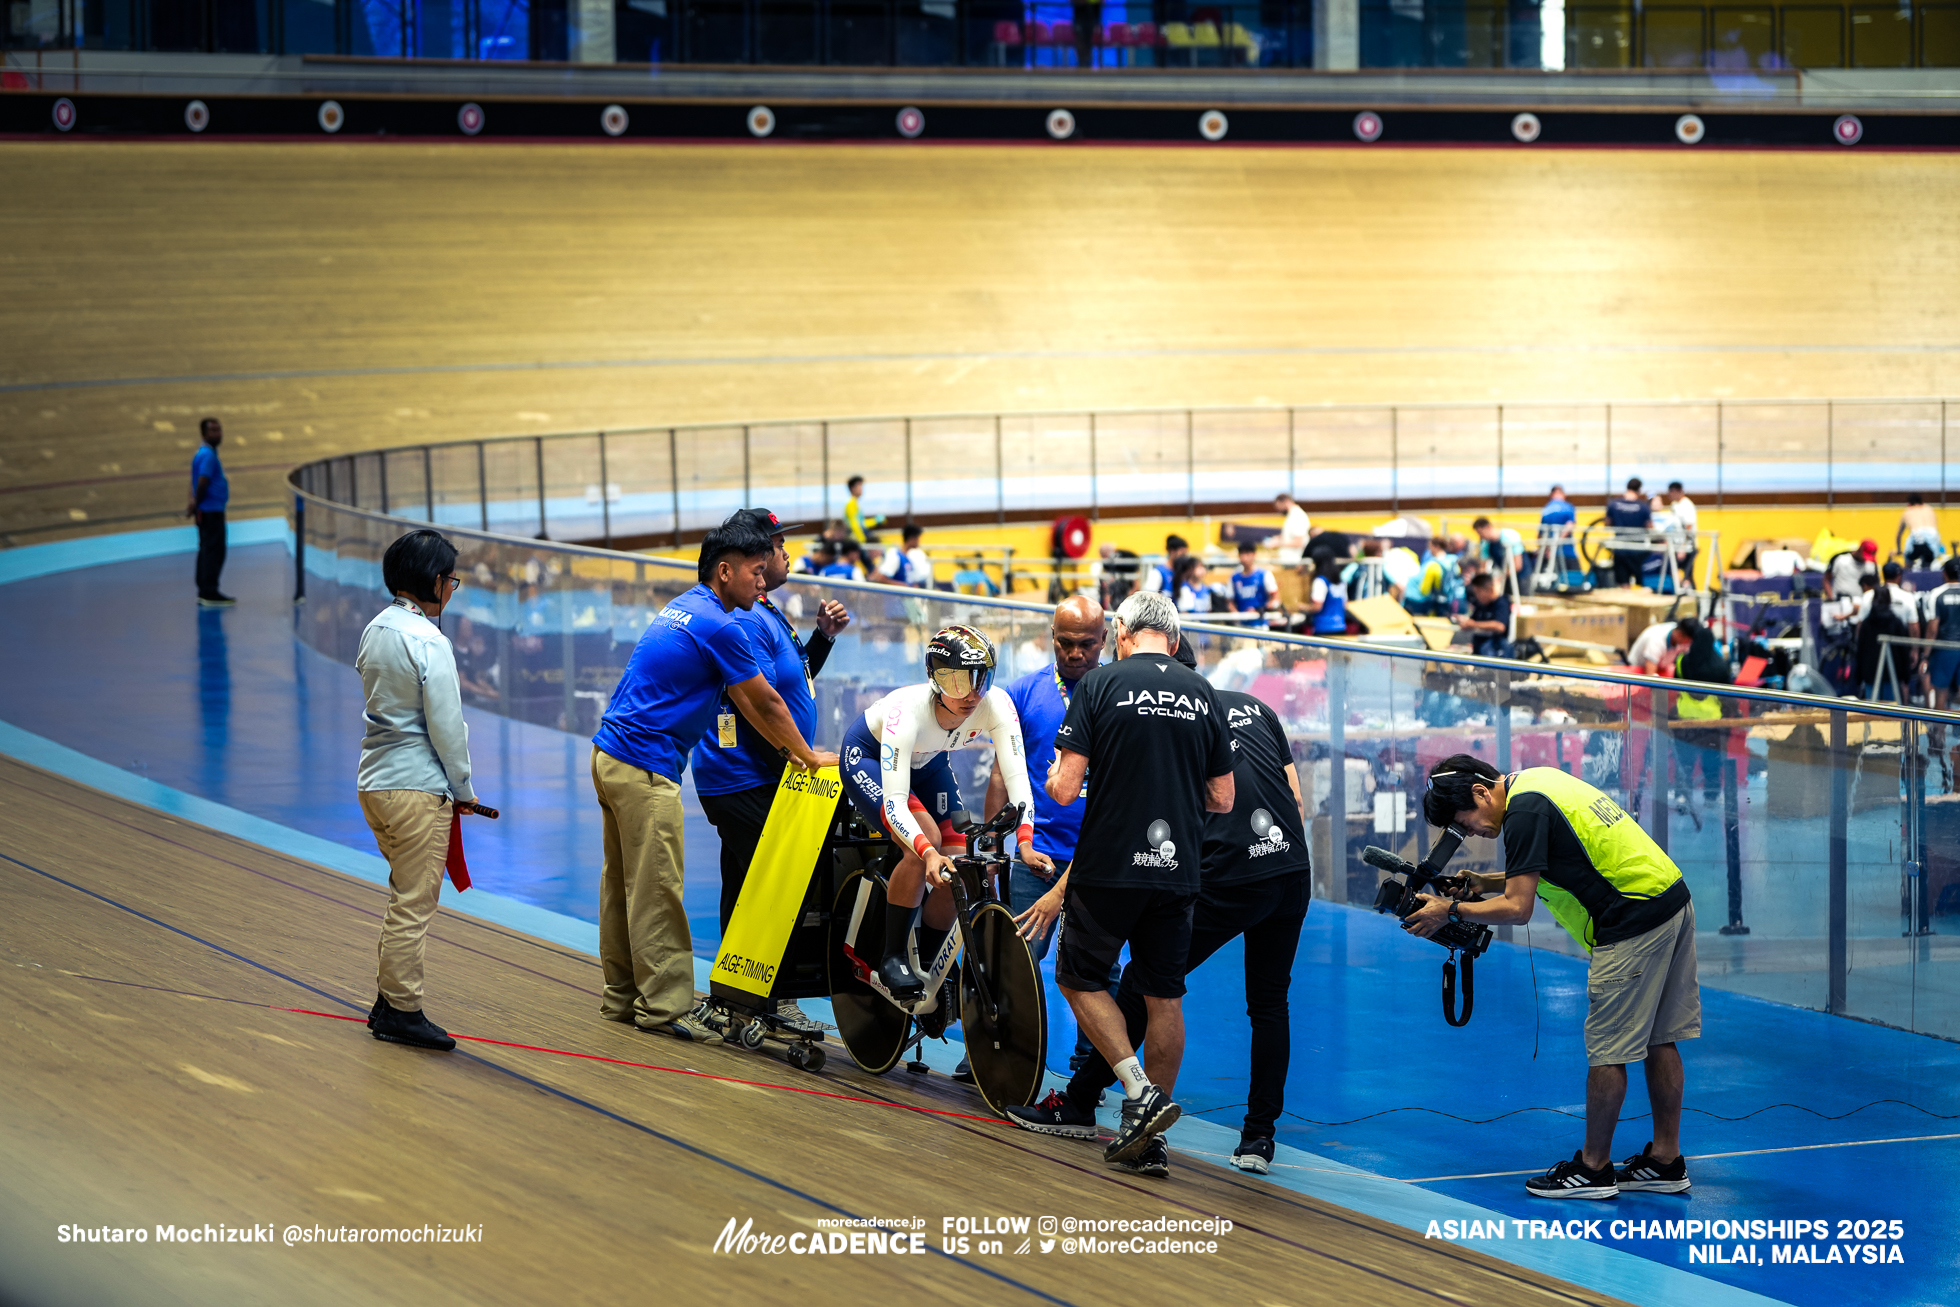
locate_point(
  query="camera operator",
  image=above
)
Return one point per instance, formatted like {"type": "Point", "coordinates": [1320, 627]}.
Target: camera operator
{"type": "Point", "coordinates": [1620, 896]}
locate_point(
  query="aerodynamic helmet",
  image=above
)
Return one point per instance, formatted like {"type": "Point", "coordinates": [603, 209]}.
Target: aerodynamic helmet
{"type": "Point", "coordinates": [958, 661]}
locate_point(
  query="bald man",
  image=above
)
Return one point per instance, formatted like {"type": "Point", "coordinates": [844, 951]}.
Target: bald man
{"type": "Point", "coordinates": [1041, 699]}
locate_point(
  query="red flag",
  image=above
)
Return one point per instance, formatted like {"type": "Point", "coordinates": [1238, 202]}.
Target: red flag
{"type": "Point", "coordinates": [459, 871]}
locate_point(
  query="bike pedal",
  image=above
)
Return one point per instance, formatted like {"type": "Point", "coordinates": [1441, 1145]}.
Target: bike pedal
{"type": "Point", "coordinates": [918, 1068]}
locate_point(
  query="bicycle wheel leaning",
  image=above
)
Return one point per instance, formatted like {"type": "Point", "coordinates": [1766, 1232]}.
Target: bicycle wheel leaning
{"type": "Point", "coordinates": [1003, 1010]}
{"type": "Point", "coordinates": [872, 1027]}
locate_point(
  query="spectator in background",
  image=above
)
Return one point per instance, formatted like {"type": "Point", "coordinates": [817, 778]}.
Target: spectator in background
{"type": "Point", "coordinates": [1116, 574]}
{"type": "Point", "coordinates": [1886, 609]}
{"type": "Point", "coordinates": [1556, 521]}
{"type": "Point", "coordinates": [1919, 529]}
{"type": "Point", "coordinates": [1500, 548]}
{"type": "Point", "coordinates": [1848, 569]}
{"type": "Point", "coordinates": [1687, 521]}
{"type": "Point", "coordinates": [1293, 530]}
{"type": "Point", "coordinates": [210, 492]}
{"type": "Point", "coordinates": [907, 564]}
{"type": "Point", "coordinates": [822, 552]}
{"type": "Point", "coordinates": [1650, 648]}
{"type": "Point", "coordinates": [414, 778]}
{"type": "Point", "coordinates": [1691, 648]}
{"type": "Point", "coordinates": [1254, 588]}
{"type": "Point", "coordinates": [1939, 615]}
{"type": "Point", "coordinates": [1162, 576]}
{"type": "Point", "coordinates": [1436, 590]}
{"type": "Point", "coordinates": [1189, 586]}
{"type": "Point", "coordinates": [1489, 618]}
{"type": "Point", "coordinates": [1326, 599]}
{"type": "Point", "coordinates": [1629, 513]}
{"type": "Point", "coordinates": [971, 578]}
{"type": "Point", "coordinates": [848, 562]}
{"type": "Point", "coordinates": [855, 521]}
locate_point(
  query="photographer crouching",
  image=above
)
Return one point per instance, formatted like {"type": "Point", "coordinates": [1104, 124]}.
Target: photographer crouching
{"type": "Point", "coordinates": [1624, 900]}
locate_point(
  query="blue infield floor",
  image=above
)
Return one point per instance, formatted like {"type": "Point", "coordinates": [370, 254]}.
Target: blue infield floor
{"type": "Point", "coordinates": [1794, 1115]}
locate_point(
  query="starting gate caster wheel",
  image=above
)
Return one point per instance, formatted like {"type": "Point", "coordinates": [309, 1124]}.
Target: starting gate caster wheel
{"type": "Point", "coordinates": [813, 1058]}
{"type": "Point", "coordinates": [873, 1028]}
{"type": "Point", "coordinates": [752, 1035]}
{"type": "Point", "coordinates": [1006, 1048]}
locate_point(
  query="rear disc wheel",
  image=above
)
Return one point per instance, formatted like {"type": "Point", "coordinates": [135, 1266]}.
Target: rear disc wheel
{"type": "Point", "coordinates": [1007, 1048]}
{"type": "Point", "coordinates": [872, 1027]}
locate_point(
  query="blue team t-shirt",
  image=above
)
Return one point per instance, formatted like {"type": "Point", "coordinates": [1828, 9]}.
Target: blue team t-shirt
{"type": "Point", "coordinates": [1249, 593]}
{"type": "Point", "coordinates": [753, 760]}
{"type": "Point", "coordinates": [666, 700]}
{"type": "Point", "coordinates": [204, 463]}
{"type": "Point", "coordinates": [1041, 707]}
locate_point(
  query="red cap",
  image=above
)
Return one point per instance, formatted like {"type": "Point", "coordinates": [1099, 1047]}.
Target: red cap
{"type": "Point", "coordinates": [1869, 548]}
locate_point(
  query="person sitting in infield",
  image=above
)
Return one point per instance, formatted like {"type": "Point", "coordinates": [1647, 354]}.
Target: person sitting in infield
{"type": "Point", "coordinates": [415, 770]}
{"type": "Point", "coordinates": [693, 654]}
{"type": "Point", "coordinates": [1154, 736]}
{"type": "Point", "coordinates": [1624, 900]}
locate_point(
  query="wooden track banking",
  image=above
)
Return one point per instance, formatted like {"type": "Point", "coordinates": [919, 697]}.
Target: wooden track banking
{"type": "Point", "coordinates": [778, 280]}
{"type": "Point", "coordinates": [154, 1101]}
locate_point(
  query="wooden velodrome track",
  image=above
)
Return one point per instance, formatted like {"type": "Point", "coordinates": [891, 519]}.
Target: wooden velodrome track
{"type": "Point", "coordinates": [317, 292]}
{"type": "Point", "coordinates": [158, 1076]}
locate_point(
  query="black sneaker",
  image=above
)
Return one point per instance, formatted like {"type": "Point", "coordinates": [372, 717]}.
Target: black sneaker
{"type": "Point", "coordinates": [1144, 1117]}
{"type": "Point", "coordinates": [413, 1028]}
{"type": "Point", "coordinates": [963, 1073]}
{"type": "Point", "coordinates": [1254, 1154]}
{"type": "Point", "coordinates": [1643, 1173]}
{"type": "Point", "coordinates": [900, 979]}
{"type": "Point", "coordinates": [1573, 1180]}
{"type": "Point", "coordinates": [374, 1013]}
{"type": "Point", "coordinates": [1733, 928]}
{"type": "Point", "coordinates": [1153, 1159]}
{"type": "Point", "coordinates": [215, 601]}
{"type": "Point", "coordinates": [1055, 1115]}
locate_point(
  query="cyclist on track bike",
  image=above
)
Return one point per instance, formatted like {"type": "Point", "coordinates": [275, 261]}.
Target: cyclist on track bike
{"type": "Point", "coordinates": [897, 774]}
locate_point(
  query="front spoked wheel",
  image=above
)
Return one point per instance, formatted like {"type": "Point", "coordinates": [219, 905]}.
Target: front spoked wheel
{"type": "Point", "coordinates": [1007, 1044]}
{"type": "Point", "coordinates": [872, 1027]}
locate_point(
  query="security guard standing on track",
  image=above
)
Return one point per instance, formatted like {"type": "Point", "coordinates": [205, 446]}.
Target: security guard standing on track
{"type": "Point", "coordinates": [1624, 900]}
{"type": "Point", "coordinates": [736, 772]}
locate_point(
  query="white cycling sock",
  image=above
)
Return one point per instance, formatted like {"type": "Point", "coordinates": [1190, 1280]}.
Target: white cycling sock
{"type": "Point", "coordinates": [1129, 1073]}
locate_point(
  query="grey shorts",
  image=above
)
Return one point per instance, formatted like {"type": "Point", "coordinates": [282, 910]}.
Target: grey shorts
{"type": "Point", "coordinates": [1643, 991]}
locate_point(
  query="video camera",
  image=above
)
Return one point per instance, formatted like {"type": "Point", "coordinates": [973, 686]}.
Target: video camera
{"type": "Point", "coordinates": [1403, 897]}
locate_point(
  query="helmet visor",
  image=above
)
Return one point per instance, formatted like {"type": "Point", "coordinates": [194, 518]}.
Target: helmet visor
{"type": "Point", "coordinates": [959, 682]}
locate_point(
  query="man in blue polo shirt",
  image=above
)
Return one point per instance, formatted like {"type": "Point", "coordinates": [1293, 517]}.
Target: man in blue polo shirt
{"type": "Point", "coordinates": [737, 777]}
{"type": "Point", "coordinates": [1041, 699]}
{"type": "Point", "coordinates": [210, 493]}
{"type": "Point", "coordinates": [693, 654]}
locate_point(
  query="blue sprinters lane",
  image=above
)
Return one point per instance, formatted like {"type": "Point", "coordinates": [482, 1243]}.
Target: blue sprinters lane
{"type": "Point", "coordinates": [117, 663]}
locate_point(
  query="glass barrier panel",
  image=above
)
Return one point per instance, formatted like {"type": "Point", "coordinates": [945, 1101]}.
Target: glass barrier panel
{"type": "Point", "coordinates": [1142, 459]}
{"type": "Point", "coordinates": [786, 472]}
{"type": "Point", "coordinates": [1885, 447]}
{"type": "Point", "coordinates": [1813, 36]}
{"type": "Point", "coordinates": [1939, 36]}
{"type": "Point", "coordinates": [1240, 455]}
{"type": "Point", "coordinates": [1881, 36]}
{"type": "Point", "coordinates": [368, 492]}
{"type": "Point", "coordinates": [1343, 453]}
{"type": "Point", "coordinates": [712, 473]}
{"type": "Point", "coordinates": [1445, 454]}
{"type": "Point", "coordinates": [1045, 462]}
{"type": "Point", "coordinates": [641, 464]}
{"type": "Point", "coordinates": [405, 475]}
{"type": "Point", "coordinates": [1770, 447]}
{"type": "Point", "coordinates": [1547, 446]}
{"type": "Point", "coordinates": [1742, 37]}
{"type": "Point", "coordinates": [1664, 442]}
{"type": "Point", "coordinates": [1599, 36]}
{"type": "Point", "coordinates": [510, 470]}
{"type": "Point", "coordinates": [457, 474]}
{"type": "Point", "coordinates": [575, 504]}
{"type": "Point", "coordinates": [1749, 804]}
{"type": "Point", "coordinates": [954, 466]}
{"type": "Point", "coordinates": [1673, 36]}
{"type": "Point", "coordinates": [876, 452]}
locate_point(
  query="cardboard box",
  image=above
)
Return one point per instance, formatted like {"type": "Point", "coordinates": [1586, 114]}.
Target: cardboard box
{"type": "Point", "coordinates": [1593, 624]}
{"type": "Point", "coordinates": [1639, 609]}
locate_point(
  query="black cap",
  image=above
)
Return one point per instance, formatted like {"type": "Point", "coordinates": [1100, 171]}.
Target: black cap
{"type": "Point", "coordinates": [1184, 653]}
{"type": "Point", "coordinates": [767, 522]}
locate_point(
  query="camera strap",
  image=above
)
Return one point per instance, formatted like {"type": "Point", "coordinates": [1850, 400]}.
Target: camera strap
{"type": "Point", "coordinates": [1469, 988]}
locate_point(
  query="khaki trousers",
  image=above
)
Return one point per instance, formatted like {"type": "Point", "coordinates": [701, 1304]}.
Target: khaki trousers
{"type": "Point", "coordinates": [645, 949]}
{"type": "Point", "coordinates": [411, 827]}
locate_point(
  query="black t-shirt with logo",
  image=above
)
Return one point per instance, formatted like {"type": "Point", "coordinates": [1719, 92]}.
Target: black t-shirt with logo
{"type": "Point", "coordinates": [1261, 836]}
{"type": "Point", "coordinates": [1153, 732]}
